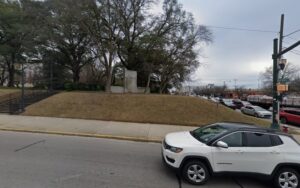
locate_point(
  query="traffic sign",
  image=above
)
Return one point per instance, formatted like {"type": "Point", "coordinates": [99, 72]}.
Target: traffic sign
{"type": "Point", "coordinates": [282, 87]}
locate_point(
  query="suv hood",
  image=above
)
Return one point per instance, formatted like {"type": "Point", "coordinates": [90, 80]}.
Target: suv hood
{"type": "Point", "coordinates": [182, 139]}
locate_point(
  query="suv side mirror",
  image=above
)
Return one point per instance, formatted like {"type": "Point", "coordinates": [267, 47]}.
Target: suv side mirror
{"type": "Point", "coordinates": [222, 144]}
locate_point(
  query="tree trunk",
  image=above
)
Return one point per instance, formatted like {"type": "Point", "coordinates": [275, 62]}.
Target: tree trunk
{"type": "Point", "coordinates": [76, 75]}
{"type": "Point", "coordinates": [163, 86]}
{"type": "Point", "coordinates": [148, 83]}
{"type": "Point", "coordinates": [11, 76]}
{"type": "Point", "coordinates": [11, 70]}
{"type": "Point", "coordinates": [3, 78]}
{"type": "Point", "coordinates": [108, 81]}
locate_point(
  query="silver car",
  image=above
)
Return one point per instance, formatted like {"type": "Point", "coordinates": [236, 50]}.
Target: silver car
{"type": "Point", "coordinates": [256, 111]}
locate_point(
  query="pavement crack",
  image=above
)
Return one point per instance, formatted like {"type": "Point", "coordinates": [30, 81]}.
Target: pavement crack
{"type": "Point", "coordinates": [68, 178]}
{"type": "Point", "coordinates": [237, 182]}
{"type": "Point", "coordinates": [179, 180]}
{"type": "Point", "coordinates": [27, 146]}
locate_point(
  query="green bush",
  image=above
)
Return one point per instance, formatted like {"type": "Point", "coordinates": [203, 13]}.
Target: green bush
{"type": "Point", "coordinates": [83, 87]}
{"type": "Point", "coordinates": [68, 86]}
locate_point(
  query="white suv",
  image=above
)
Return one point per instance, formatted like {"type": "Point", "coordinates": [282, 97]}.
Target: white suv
{"type": "Point", "coordinates": [234, 148]}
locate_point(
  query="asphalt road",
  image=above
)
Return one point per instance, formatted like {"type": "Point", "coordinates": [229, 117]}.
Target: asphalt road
{"type": "Point", "coordinates": [49, 161]}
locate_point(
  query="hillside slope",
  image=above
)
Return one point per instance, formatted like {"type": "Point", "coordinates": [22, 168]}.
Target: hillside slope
{"type": "Point", "coordinates": [162, 109]}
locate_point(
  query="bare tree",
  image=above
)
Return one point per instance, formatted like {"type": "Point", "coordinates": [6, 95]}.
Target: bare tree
{"type": "Point", "coordinates": [287, 75]}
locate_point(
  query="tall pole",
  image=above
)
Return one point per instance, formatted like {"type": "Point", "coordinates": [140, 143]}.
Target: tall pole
{"type": "Point", "coordinates": [279, 58]}
{"type": "Point", "coordinates": [275, 79]}
{"type": "Point", "coordinates": [281, 33]}
{"type": "Point", "coordinates": [235, 80]}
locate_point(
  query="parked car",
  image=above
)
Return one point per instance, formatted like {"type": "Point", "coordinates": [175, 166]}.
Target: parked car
{"type": "Point", "coordinates": [238, 103]}
{"type": "Point", "coordinates": [214, 99]}
{"type": "Point", "coordinates": [246, 103]}
{"type": "Point", "coordinates": [290, 115]}
{"type": "Point", "coordinates": [256, 111]}
{"type": "Point", "coordinates": [228, 103]}
{"type": "Point", "coordinates": [233, 148]}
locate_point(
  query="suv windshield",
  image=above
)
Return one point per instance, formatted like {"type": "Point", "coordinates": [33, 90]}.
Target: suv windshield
{"type": "Point", "coordinates": [206, 134]}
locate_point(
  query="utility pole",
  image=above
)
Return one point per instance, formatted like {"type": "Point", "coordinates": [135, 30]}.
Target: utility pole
{"type": "Point", "coordinates": [275, 79]}
{"type": "Point", "coordinates": [281, 33]}
{"type": "Point", "coordinates": [277, 54]}
{"type": "Point", "coordinates": [235, 80]}
{"type": "Point", "coordinates": [279, 59]}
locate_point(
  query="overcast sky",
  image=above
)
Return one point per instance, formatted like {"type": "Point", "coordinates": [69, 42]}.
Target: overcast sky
{"type": "Point", "coordinates": [242, 55]}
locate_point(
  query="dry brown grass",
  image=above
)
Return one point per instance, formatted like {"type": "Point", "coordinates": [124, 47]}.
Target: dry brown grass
{"type": "Point", "coordinates": [8, 93]}
{"type": "Point", "coordinates": [162, 109]}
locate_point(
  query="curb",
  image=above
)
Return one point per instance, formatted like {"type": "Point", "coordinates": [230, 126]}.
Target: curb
{"type": "Point", "coordinates": [136, 139]}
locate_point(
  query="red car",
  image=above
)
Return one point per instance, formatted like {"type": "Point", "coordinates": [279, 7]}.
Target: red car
{"type": "Point", "coordinates": [290, 115]}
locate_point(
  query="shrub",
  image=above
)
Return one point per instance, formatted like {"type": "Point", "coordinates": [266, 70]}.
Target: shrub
{"type": "Point", "coordinates": [83, 87]}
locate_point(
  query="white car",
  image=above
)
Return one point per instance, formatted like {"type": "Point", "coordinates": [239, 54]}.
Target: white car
{"type": "Point", "coordinates": [233, 148]}
{"type": "Point", "coordinates": [256, 111]}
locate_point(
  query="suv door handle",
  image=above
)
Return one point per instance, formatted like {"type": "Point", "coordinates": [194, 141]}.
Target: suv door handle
{"type": "Point", "coordinates": [240, 151]}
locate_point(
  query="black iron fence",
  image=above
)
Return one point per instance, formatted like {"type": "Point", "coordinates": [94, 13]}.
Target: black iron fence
{"type": "Point", "coordinates": [12, 103]}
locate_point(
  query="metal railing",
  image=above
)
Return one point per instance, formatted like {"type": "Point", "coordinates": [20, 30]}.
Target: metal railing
{"type": "Point", "coordinates": [12, 104]}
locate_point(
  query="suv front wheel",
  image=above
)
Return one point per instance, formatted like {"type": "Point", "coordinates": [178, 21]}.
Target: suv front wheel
{"type": "Point", "coordinates": [195, 172]}
{"type": "Point", "coordinates": [287, 178]}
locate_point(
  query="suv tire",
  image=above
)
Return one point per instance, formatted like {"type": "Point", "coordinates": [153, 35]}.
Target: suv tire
{"type": "Point", "coordinates": [287, 178]}
{"type": "Point", "coordinates": [195, 172]}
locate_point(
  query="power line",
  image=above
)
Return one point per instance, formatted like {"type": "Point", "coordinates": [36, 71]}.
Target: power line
{"type": "Point", "coordinates": [291, 38]}
{"type": "Point", "coordinates": [296, 53]}
{"type": "Point", "coordinates": [241, 29]}
{"type": "Point", "coordinates": [292, 33]}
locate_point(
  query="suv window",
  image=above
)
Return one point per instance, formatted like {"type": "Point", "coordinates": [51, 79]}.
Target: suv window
{"type": "Point", "coordinates": [233, 140]}
{"type": "Point", "coordinates": [258, 140]}
{"type": "Point", "coordinates": [206, 134]}
{"type": "Point", "coordinates": [276, 141]}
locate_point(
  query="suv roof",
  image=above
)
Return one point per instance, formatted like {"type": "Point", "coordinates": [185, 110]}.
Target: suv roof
{"type": "Point", "coordinates": [235, 126]}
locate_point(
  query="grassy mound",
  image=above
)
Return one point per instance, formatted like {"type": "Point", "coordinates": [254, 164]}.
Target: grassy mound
{"type": "Point", "coordinates": [8, 93]}
{"type": "Point", "coordinates": [162, 109]}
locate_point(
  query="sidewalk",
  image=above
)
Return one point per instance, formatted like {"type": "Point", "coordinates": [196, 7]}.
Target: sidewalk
{"type": "Point", "coordinates": [90, 128]}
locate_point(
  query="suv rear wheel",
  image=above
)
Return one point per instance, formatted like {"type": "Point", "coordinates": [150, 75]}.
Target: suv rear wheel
{"type": "Point", "coordinates": [287, 178]}
{"type": "Point", "coordinates": [195, 172]}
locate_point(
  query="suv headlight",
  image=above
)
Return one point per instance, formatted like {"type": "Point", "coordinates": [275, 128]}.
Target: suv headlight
{"type": "Point", "coordinates": [171, 148]}
{"type": "Point", "coordinates": [175, 149]}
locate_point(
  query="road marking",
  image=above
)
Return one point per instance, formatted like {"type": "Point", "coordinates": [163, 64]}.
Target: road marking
{"type": "Point", "coordinates": [27, 146]}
